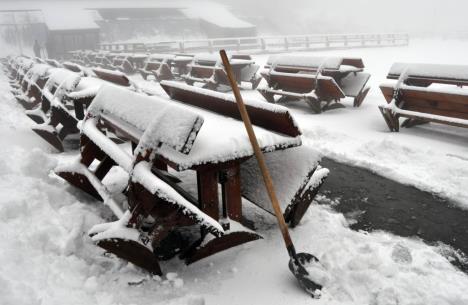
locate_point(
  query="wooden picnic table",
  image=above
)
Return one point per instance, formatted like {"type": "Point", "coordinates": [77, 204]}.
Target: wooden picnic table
{"type": "Point", "coordinates": [221, 147]}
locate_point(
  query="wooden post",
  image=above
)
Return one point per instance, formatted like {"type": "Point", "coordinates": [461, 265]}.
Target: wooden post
{"type": "Point", "coordinates": [207, 183]}
{"type": "Point", "coordinates": [231, 188]}
{"type": "Point", "coordinates": [286, 43]}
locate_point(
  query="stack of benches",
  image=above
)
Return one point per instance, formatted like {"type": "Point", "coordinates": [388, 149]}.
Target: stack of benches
{"type": "Point", "coordinates": [209, 70]}
{"type": "Point", "coordinates": [196, 131]}
{"type": "Point", "coordinates": [165, 66]}
{"type": "Point", "coordinates": [425, 93]}
{"type": "Point", "coordinates": [56, 98]}
{"type": "Point", "coordinates": [320, 81]}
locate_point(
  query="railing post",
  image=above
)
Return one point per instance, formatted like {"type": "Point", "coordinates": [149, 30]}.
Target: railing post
{"type": "Point", "coordinates": [379, 39]}
{"type": "Point", "coordinates": [307, 42]}
{"type": "Point", "coordinates": [210, 46]}
{"type": "Point", "coordinates": [327, 42]}
{"type": "Point", "coordinates": [363, 40]}
{"type": "Point", "coordinates": [263, 44]}
{"type": "Point", "coordinates": [345, 39]}
{"type": "Point", "coordinates": [286, 43]}
{"type": "Point", "coordinates": [238, 45]}
{"type": "Point", "coordinates": [181, 47]}
{"type": "Point", "coordinates": [393, 39]}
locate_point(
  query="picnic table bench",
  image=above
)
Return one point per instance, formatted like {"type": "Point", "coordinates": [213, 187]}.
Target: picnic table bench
{"type": "Point", "coordinates": [321, 81]}
{"type": "Point", "coordinates": [64, 100]}
{"type": "Point", "coordinates": [29, 95]}
{"type": "Point", "coordinates": [426, 93]}
{"type": "Point", "coordinates": [165, 66]}
{"type": "Point", "coordinates": [209, 70]}
{"type": "Point", "coordinates": [183, 135]}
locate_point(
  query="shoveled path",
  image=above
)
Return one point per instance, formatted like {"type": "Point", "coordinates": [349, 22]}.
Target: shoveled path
{"type": "Point", "coordinates": [377, 203]}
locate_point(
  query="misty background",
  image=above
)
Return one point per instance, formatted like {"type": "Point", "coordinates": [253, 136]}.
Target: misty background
{"type": "Point", "coordinates": [64, 25]}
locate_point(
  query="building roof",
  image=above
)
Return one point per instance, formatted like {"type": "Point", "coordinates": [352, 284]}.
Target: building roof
{"type": "Point", "coordinates": [79, 17]}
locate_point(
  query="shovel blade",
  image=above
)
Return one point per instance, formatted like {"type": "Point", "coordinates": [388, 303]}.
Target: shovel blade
{"type": "Point", "coordinates": [298, 265]}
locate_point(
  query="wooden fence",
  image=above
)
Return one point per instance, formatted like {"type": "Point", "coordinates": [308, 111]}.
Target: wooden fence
{"type": "Point", "coordinates": [267, 44]}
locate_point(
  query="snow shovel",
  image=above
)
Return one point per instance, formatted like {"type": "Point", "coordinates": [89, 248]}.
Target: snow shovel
{"type": "Point", "coordinates": [298, 261]}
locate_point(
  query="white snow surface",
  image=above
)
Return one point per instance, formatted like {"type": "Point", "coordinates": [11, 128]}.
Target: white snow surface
{"type": "Point", "coordinates": [47, 258]}
{"type": "Point", "coordinates": [431, 70]}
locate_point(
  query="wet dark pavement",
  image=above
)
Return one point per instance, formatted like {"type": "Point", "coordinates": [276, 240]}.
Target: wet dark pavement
{"type": "Point", "coordinates": [377, 203]}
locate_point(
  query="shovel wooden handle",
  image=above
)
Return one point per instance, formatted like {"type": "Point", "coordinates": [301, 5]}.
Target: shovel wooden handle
{"type": "Point", "coordinates": [258, 154]}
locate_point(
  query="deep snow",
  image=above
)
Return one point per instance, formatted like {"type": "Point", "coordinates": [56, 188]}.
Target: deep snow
{"type": "Point", "coordinates": [47, 258]}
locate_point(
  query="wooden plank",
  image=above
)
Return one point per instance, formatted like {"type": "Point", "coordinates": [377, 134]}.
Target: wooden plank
{"type": "Point", "coordinates": [207, 182]}
{"type": "Point", "coordinates": [281, 122]}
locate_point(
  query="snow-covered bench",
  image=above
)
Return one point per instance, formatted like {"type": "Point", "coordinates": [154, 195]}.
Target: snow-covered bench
{"type": "Point", "coordinates": [18, 69]}
{"type": "Point", "coordinates": [426, 93]}
{"type": "Point", "coordinates": [209, 70]}
{"type": "Point", "coordinates": [318, 80]}
{"type": "Point", "coordinates": [60, 112]}
{"type": "Point", "coordinates": [121, 62]}
{"type": "Point", "coordinates": [296, 171]}
{"type": "Point", "coordinates": [53, 63]}
{"type": "Point", "coordinates": [53, 117]}
{"type": "Point", "coordinates": [162, 133]}
{"type": "Point", "coordinates": [166, 66]}
{"type": "Point", "coordinates": [30, 93]}
{"type": "Point", "coordinates": [103, 60]}
{"type": "Point", "coordinates": [115, 77]}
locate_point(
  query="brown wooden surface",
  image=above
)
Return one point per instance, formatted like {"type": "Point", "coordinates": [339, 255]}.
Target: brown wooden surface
{"type": "Point", "coordinates": [274, 121]}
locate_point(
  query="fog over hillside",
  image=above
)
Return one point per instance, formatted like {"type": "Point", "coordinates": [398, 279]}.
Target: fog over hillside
{"type": "Point", "coordinates": [338, 16]}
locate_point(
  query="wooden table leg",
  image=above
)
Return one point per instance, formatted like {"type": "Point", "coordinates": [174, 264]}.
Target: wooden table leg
{"type": "Point", "coordinates": [231, 188]}
{"type": "Point", "coordinates": [207, 182]}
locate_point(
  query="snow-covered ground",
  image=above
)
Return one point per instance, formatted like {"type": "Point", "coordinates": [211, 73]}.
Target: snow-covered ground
{"type": "Point", "coordinates": [46, 256]}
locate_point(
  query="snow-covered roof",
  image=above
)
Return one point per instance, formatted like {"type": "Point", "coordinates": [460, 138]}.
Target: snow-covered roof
{"type": "Point", "coordinates": [217, 15]}
{"type": "Point", "coordinates": [82, 12]}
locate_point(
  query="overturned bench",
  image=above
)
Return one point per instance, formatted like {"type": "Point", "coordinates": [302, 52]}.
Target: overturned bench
{"type": "Point", "coordinates": [425, 93]}
{"type": "Point", "coordinates": [321, 81]}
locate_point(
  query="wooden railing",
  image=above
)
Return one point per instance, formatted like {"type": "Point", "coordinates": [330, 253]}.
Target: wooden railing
{"type": "Point", "coordinates": [265, 44]}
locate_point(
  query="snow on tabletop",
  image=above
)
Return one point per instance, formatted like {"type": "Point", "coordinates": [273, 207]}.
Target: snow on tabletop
{"type": "Point", "coordinates": [160, 57]}
{"type": "Point", "coordinates": [142, 174]}
{"type": "Point", "coordinates": [288, 169]}
{"type": "Point", "coordinates": [65, 79]}
{"type": "Point", "coordinates": [224, 139]}
{"type": "Point", "coordinates": [159, 120]}
{"type": "Point", "coordinates": [459, 72]}
{"type": "Point", "coordinates": [307, 61]}
{"type": "Point", "coordinates": [87, 87]}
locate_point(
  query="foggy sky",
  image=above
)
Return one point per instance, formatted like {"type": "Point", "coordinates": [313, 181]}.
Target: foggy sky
{"type": "Point", "coordinates": [348, 16]}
